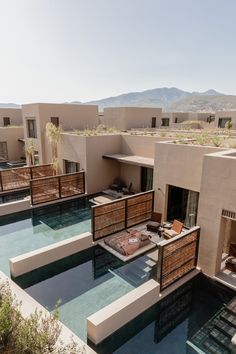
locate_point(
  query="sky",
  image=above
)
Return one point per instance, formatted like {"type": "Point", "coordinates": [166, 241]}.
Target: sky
{"type": "Point", "coordinates": [81, 50]}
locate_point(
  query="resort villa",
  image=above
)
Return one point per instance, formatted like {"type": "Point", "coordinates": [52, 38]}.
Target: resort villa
{"type": "Point", "coordinates": [136, 233]}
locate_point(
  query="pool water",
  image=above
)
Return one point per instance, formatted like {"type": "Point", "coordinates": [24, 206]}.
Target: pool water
{"type": "Point", "coordinates": [85, 283]}
{"type": "Point", "coordinates": [29, 230]}
{"type": "Point", "coordinates": [181, 323]}
{"type": "Point", "coordinates": [12, 197]}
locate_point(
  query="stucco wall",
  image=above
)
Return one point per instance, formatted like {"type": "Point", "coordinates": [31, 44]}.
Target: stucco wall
{"type": "Point", "coordinates": [218, 191]}
{"type": "Point", "coordinates": [71, 116]}
{"type": "Point", "coordinates": [11, 135]}
{"type": "Point", "coordinates": [88, 151]}
{"type": "Point", "coordinates": [225, 114]}
{"type": "Point", "coordinates": [15, 115]}
{"type": "Point", "coordinates": [139, 145]}
{"type": "Point", "coordinates": [131, 117]}
{"type": "Point", "coordinates": [178, 165]}
{"type": "Point", "coordinates": [131, 174]}
{"type": "Point", "coordinates": [101, 172]}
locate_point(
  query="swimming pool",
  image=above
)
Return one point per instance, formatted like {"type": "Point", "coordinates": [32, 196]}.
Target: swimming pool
{"type": "Point", "coordinates": [85, 283]}
{"type": "Point", "coordinates": [14, 196]}
{"type": "Point", "coordinates": [26, 231]}
{"type": "Point", "coordinates": [181, 323]}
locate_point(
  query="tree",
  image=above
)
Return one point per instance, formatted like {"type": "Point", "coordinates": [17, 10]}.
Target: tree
{"type": "Point", "coordinates": [29, 151]}
{"type": "Point", "coordinates": [53, 134]}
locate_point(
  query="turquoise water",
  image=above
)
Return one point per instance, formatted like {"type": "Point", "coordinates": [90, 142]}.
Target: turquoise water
{"type": "Point", "coordinates": [27, 231]}
{"type": "Point", "coordinates": [85, 283]}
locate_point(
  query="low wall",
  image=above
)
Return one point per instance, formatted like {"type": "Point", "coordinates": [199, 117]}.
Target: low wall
{"type": "Point", "coordinates": [32, 260]}
{"type": "Point", "coordinates": [14, 207]}
{"type": "Point", "coordinates": [29, 305]}
{"type": "Point", "coordinates": [112, 317]}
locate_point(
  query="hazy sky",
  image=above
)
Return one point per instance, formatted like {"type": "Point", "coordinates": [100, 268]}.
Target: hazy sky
{"type": "Point", "coordinates": [65, 50]}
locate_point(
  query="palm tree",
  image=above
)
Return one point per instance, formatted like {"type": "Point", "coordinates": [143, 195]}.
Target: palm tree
{"type": "Point", "coordinates": [53, 134]}
{"type": "Point", "coordinates": [29, 151]}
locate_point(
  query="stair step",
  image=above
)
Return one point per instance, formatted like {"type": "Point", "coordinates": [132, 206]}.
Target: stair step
{"type": "Point", "coordinates": [220, 338]}
{"type": "Point", "coordinates": [228, 318]}
{"type": "Point", "coordinates": [231, 307]}
{"type": "Point", "coordinates": [225, 328]}
{"type": "Point", "coordinates": [214, 348]}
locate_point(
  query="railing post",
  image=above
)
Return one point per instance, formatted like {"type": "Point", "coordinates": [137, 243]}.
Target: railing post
{"type": "Point", "coordinates": [59, 185]}
{"type": "Point", "coordinates": [1, 181]}
{"type": "Point", "coordinates": [126, 213]}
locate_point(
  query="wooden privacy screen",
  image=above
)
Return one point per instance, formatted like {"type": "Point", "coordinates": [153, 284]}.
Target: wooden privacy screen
{"type": "Point", "coordinates": [177, 257]}
{"type": "Point", "coordinates": [115, 216]}
{"type": "Point", "coordinates": [18, 178]}
{"type": "Point", "coordinates": [47, 189]}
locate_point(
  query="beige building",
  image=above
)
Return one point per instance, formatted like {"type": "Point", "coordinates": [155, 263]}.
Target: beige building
{"type": "Point", "coordinates": [68, 116]}
{"type": "Point", "coordinates": [11, 143]}
{"type": "Point", "coordinates": [222, 117]}
{"type": "Point", "coordinates": [171, 118]}
{"type": "Point", "coordinates": [125, 118]}
{"type": "Point", "coordinates": [10, 116]}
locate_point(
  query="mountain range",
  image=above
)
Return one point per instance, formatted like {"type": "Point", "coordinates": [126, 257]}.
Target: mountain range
{"type": "Point", "coordinates": [170, 99]}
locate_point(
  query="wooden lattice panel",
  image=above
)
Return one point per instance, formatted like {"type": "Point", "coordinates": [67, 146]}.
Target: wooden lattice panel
{"type": "Point", "coordinates": [39, 171]}
{"type": "Point", "coordinates": [44, 190]}
{"type": "Point", "coordinates": [72, 184]}
{"type": "Point", "coordinates": [57, 187]}
{"type": "Point", "coordinates": [15, 178]}
{"type": "Point", "coordinates": [108, 219]}
{"type": "Point", "coordinates": [178, 257]}
{"type": "Point", "coordinates": [140, 211]}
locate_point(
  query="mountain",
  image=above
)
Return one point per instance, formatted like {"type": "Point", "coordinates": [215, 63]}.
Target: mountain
{"type": "Point", "coordinates": [9, 105]}
{"type": "Point", "coordinates": [159, 97]}
{"type": "Point", "coordinates": [205, 103]}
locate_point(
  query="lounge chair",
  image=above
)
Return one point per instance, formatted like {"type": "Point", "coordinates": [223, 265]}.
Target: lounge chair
{"type": "Point", "coordinates": [155, 222]}
{"type": "Point", "coordinates": [175, 230]}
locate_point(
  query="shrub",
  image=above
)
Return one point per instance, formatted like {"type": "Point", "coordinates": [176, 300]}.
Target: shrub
{"type": "Point", "coordinates": [229, 125]}
{"type": "Point", "coordinates": [37, 334]}
{"type": "Point", "coordinates": [216, 140]}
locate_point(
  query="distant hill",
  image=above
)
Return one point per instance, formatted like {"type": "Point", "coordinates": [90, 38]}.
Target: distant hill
{"type": "Point", "coordinates": [205, 103]}
{"type": "Point", "coordinates": [170, 99]}
{"type": "Point", "coordinates": [159, 97]}
{"type": "Point", "coordinates": [9, 105]}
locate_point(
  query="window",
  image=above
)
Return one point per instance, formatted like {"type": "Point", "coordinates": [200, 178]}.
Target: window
{"type": "Point", "coordinates": [154, 122]}
{"type": "Point", "coordinates": [31, 124]}
{"type": "Point", "coordinates": [165, 122]}
{"type": "Point", "coordinates": [6, 121]}
{"type": "Point", "coordinates": [71, 166]}
{"type": "Point", "coordinates": [146, 179]}
{"type": "Point", "coordinates": [223, 121]}
{"type": "Point", "coordinates": [3, 151]}
{"type": "Point", "coordinates": [55, 121]}
{"type": "Point", "coordinates": [182, 205]}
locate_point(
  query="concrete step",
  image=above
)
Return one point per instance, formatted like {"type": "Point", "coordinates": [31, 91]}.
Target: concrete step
{"type": "Point", "coordinates": [211, 347]}
{"type": "Point", "coordinates": [225, 328]}
{"type": "Point", "coordinates": [220, 338]}
{"type": "Point", "coordinates": [228, 318]}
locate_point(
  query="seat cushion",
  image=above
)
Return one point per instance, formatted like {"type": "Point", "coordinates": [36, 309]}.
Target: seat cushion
{"type": "Point", "coordinates": [170, 233]}
{"type": "Point", "coordinates": [153, 226]}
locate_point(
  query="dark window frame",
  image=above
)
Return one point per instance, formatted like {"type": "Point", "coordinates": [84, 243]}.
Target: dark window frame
{"type": "Point", "coordinates": [6, 121]}
{"type": "Point", "coordinates": [31, 131]}
{"type": "Point", "coordinates": [55, 121]}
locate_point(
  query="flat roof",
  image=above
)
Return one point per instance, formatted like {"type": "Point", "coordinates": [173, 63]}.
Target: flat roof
{"type": "Point", "coordinates": [131, 159]}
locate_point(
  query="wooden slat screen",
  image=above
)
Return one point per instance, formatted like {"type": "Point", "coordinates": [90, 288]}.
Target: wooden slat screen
{"type": "Point", "coordinates": [15, 178]}
{"type": "Point", "coordinates": [117, 215]}
{"type": "Point", "coordinates": [177, 257]}
{"type": "Point", "coordinates": [48, 189]}
{"type": "Point", "coordinates": [72, 184]}
{"type": "Point", "coordinates": [139, 209]}
{"type": "Point", "coordinates": [39, 171]}
{"type": "Point", "coordinates": [19, 178]}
